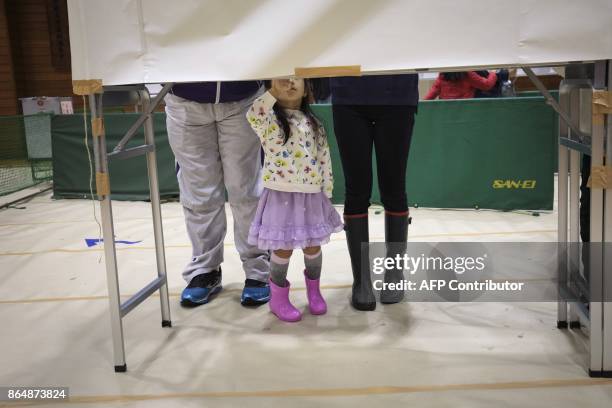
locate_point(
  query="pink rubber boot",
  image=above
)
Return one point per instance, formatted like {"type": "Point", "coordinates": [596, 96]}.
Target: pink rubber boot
{"type": "Point", "coordinates": [316, 303]}
{"type": "Point", "coordinates": [280, 304]}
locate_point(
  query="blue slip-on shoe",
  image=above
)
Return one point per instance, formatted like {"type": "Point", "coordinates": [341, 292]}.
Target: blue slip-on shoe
{"type": "Point", "coordinates": [255, 293]}
{"type": "Point", "coordinates": [201, 289]}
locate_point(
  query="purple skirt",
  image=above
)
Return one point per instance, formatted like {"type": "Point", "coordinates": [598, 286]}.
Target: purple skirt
{"type": "Point", "coordinates": [293, 220]}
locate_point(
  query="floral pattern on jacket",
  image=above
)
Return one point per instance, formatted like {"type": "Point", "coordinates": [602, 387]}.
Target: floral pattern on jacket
{"type": "Point", "coordinates": [300, 165]}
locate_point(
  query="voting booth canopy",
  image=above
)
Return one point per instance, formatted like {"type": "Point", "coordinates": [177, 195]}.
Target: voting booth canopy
{"type": "Point", "coordinates": [155, 41]}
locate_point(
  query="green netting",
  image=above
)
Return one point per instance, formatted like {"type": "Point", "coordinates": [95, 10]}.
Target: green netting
{"type": "Point", "coordinates": [129, 179]}
{"type": "Point", "coordinates": [25, 151]}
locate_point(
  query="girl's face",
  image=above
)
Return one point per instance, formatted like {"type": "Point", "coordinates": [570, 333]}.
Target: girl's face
{"type": "Point", "coordinates": [289, 92]}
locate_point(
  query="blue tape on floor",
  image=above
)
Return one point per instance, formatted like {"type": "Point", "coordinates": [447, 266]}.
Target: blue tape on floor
{"type": "Point", "coordinates": [95, 241]}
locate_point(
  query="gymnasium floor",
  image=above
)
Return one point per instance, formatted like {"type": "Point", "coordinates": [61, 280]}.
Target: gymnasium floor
{"type": "Point", "coordinates": [56, 332]}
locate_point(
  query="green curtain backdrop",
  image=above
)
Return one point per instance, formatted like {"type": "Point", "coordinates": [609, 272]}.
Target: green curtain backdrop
{"type": "Point", "coordinates": [485, 153]}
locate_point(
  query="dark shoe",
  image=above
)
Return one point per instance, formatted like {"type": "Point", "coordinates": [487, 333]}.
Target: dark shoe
{"type": "Point", "coordinates": [201, 288]}
{"type": "Point", "coordinates": [255, 293]}
{"type": "Point", "coordinates": [396, 235]}
{"type": "Point", "coordinates": [356, 228]}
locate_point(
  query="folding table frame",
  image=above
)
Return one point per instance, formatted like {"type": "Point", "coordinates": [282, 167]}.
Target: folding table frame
{"type": "Point", "coordinates": [597, 316]}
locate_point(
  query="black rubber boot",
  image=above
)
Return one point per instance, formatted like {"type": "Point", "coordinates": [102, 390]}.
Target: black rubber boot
{"type": "Point", "coordinates": [396, 235]}
{"type": "Point", "coordinates": [356, 228]}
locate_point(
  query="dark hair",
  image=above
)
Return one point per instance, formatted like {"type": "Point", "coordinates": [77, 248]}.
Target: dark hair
{"type": "Point", "coordinates": [453, 76]}
{"type": "Point", "coordinates": [281, 114]}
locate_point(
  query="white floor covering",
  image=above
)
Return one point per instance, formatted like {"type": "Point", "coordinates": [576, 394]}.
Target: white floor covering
{"type": "Point", "coordinates": [56, 332]}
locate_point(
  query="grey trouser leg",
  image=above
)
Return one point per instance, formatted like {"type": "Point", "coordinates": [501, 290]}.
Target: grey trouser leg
{"type": "Point", "coordinates": [211, 149]}
{"type": "Point", "coordinates": [192, 133]}
{"type": "Point", "coordinates": [240, 156]}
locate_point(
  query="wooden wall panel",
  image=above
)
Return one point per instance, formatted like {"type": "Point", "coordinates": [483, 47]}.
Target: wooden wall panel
{"type": "Point", "coordinates": [40, 48]}
{"type": "Point", "coordinates": [8, 87]}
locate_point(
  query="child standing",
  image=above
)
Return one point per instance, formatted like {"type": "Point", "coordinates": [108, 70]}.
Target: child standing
{"type": "Point", "coordinates": [294, 210]}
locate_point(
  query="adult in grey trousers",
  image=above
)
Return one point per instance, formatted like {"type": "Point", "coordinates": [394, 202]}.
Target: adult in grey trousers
{"type": "Point", "coordinates": [216, 150]}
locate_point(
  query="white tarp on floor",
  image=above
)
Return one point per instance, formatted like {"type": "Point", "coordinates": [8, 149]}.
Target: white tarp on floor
{"type": "Point", "coordinates": [56, 325]}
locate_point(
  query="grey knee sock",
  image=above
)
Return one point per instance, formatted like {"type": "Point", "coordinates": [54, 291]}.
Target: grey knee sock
{"type": "Point", "coordinates": [313, 265]}
{"type": "Point", "coordinates": [278, 270]}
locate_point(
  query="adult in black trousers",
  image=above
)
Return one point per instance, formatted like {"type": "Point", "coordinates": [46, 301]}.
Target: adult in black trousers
{"type": "Point", "coordinates": [374, 112]}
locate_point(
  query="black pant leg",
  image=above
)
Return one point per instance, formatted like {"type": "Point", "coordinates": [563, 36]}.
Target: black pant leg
{"type": "Point", "coordinates": [585, 200]}
{"type": "Point", "coordinates": [392, 137]}
{"type": "Point", "coordinates": [355, 138]}
{"type": "Point", "coordinates": [585, 214]}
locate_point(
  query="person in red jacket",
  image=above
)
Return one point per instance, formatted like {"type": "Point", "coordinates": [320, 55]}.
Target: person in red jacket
{"type": "Point", "coordinates": [460, 85]}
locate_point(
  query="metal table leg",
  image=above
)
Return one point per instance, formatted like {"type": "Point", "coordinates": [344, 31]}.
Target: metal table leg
{"type": "Point", "coordinates": [596, 253]}
{"type": "Point", "coordinates": [607, 270]}
{"type": "Point", "coordinates": [106, 214]}
{"type": "Point", "coordinates": [156, 209]}
{"type": "Point", "coordinates": [562, 230]}
{"type": "Point", "coordinates": [117, 309]}
{"type": "Point", "coordinates": [574, 206]}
